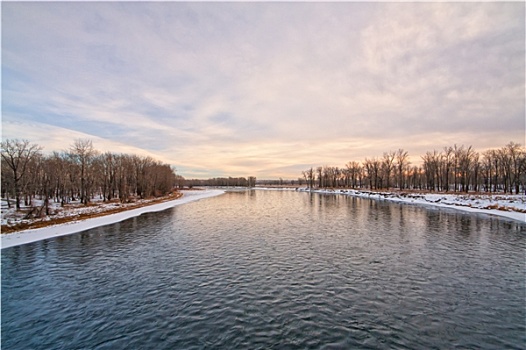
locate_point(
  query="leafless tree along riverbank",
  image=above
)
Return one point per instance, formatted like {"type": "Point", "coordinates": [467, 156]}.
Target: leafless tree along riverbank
{"type": "Point", "coordinates": [452, 169]}
{"type": "Point", "coordinates": [79, 173]}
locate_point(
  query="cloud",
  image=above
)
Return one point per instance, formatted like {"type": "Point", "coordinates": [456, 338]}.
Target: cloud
{"type": "Point", "coordinates": [256, 88]}
{"type": "Point", "coordinates": [61, 139]}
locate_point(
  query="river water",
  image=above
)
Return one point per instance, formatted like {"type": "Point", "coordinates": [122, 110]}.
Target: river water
{"type": "Point", "coordinates": [273, 270]}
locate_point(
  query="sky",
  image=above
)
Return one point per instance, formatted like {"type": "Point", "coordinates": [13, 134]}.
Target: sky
{"type": "Point", "coordinates": [263, 89]}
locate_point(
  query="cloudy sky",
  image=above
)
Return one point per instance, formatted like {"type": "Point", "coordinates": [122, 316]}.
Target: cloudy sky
{"type": "Point", "coordinates": [262, 88]}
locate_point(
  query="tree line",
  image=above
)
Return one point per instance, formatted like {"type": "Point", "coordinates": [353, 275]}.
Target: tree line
{"type": "Point", "coordinates": [79, 173]}
{"type": "Point", "coordinates": [454, 168]}
{"type": "Point", "coordinates": [222, 182]}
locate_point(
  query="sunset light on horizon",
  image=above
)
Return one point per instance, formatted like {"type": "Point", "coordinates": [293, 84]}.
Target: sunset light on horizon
{"type": "Point", "coordinates": [263, 89]}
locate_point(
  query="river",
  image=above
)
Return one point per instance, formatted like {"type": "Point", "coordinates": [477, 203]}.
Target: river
{"type": "Point", "coordinates": [273, 270]}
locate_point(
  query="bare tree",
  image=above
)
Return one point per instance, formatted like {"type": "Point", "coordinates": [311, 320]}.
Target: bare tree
{"type": "Point", "coordinates": [431, 167]}
{"type": "Point", "coordinates": [387, 167]}
{"type": "Point", "coordinates": [448, 163]}
{"type": "Point", "coordinates": [465, 163]}
{"type": "Point", "coordinates": [372, 170]}
{"type": "Point", "coordinates": [17, 155]}
{"type": "Point", "coordinates": [82, 154]}
{"type": "Point", "coordinates": [516, 157]}
{"type": "Point", "coordinates": [58, 165]}
{"type": "Point", "coordinates": [309, 177]}
{"type": "Point", "coordinates": [319, 171]}
{"type": "Point", "coordinates": [457, 155]}
{"type": "Point", "coordinates": [353, 172]}
{"type": "Point", "coordinates": [402, 162]}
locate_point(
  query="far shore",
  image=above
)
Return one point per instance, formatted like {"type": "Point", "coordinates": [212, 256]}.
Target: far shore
{"type": "Point", "coordinates": [498, 204]}
{"type": "Point", "coordinates": [511, 206]}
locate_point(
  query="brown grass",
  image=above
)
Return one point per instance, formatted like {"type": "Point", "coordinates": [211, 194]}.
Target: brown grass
{"type": "Point", "coordinates": [38, 223]}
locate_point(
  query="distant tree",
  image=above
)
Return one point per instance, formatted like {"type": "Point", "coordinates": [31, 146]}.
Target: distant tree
{"type": "Point", "coordinates": [475, 172]}
{"type": "Point", "coordinates": [48, 178]}
{"type": "Point", "coordinates": [319, 172]}
{"type": "Point", "coordinates": [305, 176]}
{"type": "Point", "coordinates": [336, 176]}
{"type": "Point", "coordinates": [123, 174]}
{"type": "Point", "coordinates": [459, 168]}
{"type": "Point", "coordinates": [353, 172]}
{"type": "Point", "coordinates": [58, 164]}
{"type": "Point", "coordinates": [82, 153]}
{"type": "Point", "coordinates": [465, 165]}
{"type": "Point", "coordinates": [80, 173]}
{"type": "Point", "coordinates": [387, 167]}
{"type": "Point", "coordinates": [516, 159]}
{"type": "Point", "coordinates": [431, 169]}
{"type": "Point", "coordinates": [372, 170]}
{"type": "Point", "coordinates": [448, 163]}
{"type": "Point", "coordinates": [326, 175]}
{"type": "Point", "coordinates": [179, 181]}
{"type": "Point", "coordinates": [457, 156]}
{"type": "Point", "coordinates": [7, 183]}
{"type": "Point", "coordinates": [309, 177]}
{"type": "Point", "coordinates": [402, 162]}
{"type": "Point", "coordinates": [108, 183]}
{"type": "Point", "coordinates": [17, 155]}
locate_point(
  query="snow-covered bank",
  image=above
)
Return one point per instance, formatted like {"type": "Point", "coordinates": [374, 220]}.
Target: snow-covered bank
{"type": "Point", "coordinates": [509, 206]}
{"type": "Point", "coordinates": [281, 188]}
{"type": "Point", "coordinates": [33, 235]}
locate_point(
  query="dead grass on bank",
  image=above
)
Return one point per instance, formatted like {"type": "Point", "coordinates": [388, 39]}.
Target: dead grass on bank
{"type": "Point", "coordinates": [50, 220]}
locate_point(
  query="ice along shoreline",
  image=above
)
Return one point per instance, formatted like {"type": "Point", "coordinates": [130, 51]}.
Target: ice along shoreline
{"type": "Point", "coordinates": [33, 235]}
{"type": "Point", "coordinates": [510, 205]}
{"type": "Point", "coordinates": [471, 204]}
{"type": "Point", "coordinates": [502, 205]}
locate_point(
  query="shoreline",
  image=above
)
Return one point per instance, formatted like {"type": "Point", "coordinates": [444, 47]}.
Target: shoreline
{"type": "Point", "coordinates": [38, 234]}
{"type": "Point", "coordinates": [477, 204]}
{"type": "Point", "coordinates": [450, 201]}
{"type": "Point", "coordinates": [480, 203]}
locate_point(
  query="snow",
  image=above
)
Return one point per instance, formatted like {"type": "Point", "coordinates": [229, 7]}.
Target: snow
{"type": "Point", "coordinates": [33, 235]}
{"type": "Point", "coordinates": [282, 188]}
{"type": "Point", "coordinates": [509, 206]}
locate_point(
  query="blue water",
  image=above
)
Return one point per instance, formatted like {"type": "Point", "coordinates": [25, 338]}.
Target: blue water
{"type": "Point", "coordinates": [273, 270]}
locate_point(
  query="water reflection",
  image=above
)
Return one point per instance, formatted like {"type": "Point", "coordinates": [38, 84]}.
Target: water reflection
{"type": "Point", "coordinates": [256, 269]}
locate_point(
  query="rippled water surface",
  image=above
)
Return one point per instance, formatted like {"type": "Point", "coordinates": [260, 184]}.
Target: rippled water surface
{"type": "Point", "coordinates": [272, 270]}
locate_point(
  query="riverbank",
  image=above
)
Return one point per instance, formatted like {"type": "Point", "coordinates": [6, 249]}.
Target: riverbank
{"type": "Point", "coordinates": [505, 205]}
{"type": "Point", "coordinates": [33, 216]}
{"type": "Point", "coordinates": [103, 218]}
{"type": "Point", "coordinates": [509, 206]}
